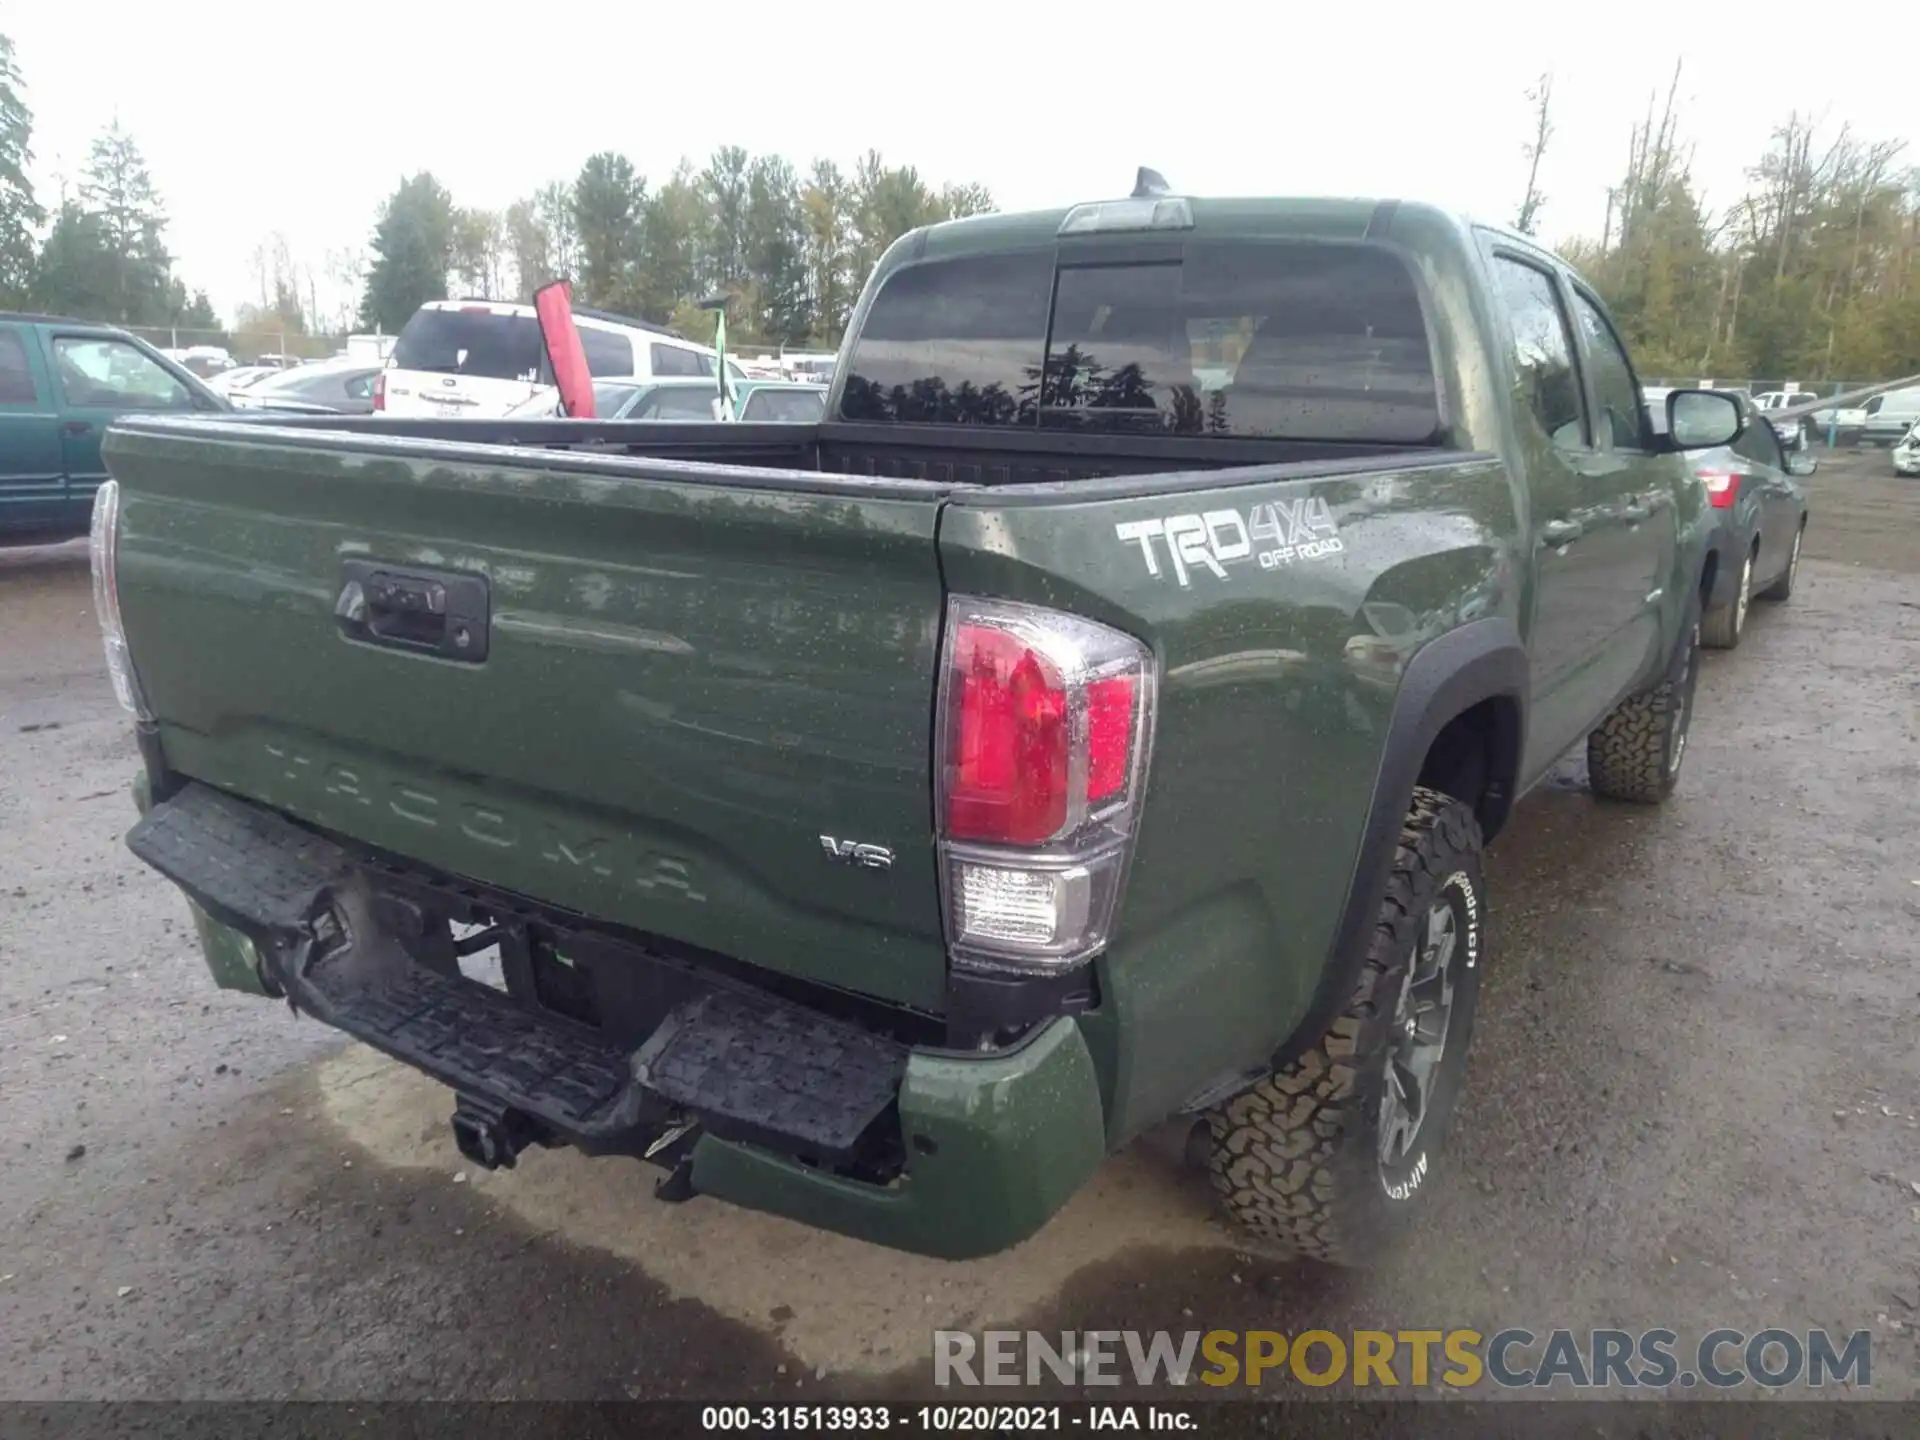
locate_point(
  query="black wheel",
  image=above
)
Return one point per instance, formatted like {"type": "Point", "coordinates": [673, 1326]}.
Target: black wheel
{"type": "Point", "coordinates": [1636, 752]}
{"type": "Point", "coordinates": [1331, 1155]}
{"type": "Point", "coordinates": [1782, 589]}
{"type": "Point", "coordinates": [1722, 626]}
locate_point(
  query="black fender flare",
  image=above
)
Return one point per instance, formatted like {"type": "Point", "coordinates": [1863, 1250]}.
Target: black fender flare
{"type": "Point", "coordinates": [1481, 660]}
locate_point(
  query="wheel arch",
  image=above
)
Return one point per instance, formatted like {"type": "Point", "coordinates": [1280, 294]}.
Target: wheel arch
{"type": "Point", "coordinates": [1461, 710]}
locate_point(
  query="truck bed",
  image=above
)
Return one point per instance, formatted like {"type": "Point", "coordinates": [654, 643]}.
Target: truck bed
{"type": "Point", "coordinates": [710, 651]}
{"type": "Point", "coordinates": [943, 455]}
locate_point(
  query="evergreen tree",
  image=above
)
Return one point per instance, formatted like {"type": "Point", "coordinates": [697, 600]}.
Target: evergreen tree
{"type": "Point", "coordinates": [412, 253]}
{"type": "Point", "coordinates": [20, 213]}
{"type": "Point", "coordinates": [117, 190]}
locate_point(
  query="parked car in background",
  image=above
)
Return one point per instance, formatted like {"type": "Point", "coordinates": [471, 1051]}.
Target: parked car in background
{"type": "Point", "coordinates": [228, 382]}
{"type": "Point", "coordinates": [681, 398]}
{"type": "Point", "coordinates": [333, 387]}
{"type": "Point", "coordinates": [61, 381]}
{"type": "Point", "coordinates": [1844, 423]}
{"type": "Point", "coordinates": [482, 359]}
{"type": "Point", "coordinates": [206, 361]}
{"type": "Point", "coordinates": [685, 398]}
{"type": "Point", "coordinates": [1890, 416]}
{"type": "Point", "coordinates": [1795, 434]}
{"type": "Point", "coordinates": [277, 361]}
{"type": "Point", "coordinates": [1906, 455]}
{"type": "Point", "coordinates": [1760, 511]}
{"type": "Point", "coordinates": [783, 402]}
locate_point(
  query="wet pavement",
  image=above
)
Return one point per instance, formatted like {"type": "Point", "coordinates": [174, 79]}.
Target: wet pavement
{"type": "Point", "coordinates": [1693, 1101]}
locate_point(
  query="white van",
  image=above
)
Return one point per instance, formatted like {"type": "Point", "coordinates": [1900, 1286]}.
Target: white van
{"type": "Point", "coordinates": [480, 359]}
{"type": "Point", "coordinates": [1891, 415]}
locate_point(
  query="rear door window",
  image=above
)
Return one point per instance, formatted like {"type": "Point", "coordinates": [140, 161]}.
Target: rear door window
{"type": "Point", "coordinates": [470, 342]}
{"type": "Point", "coordinates": [672, 360]}
{"type": "Point", "coordinates": [607, 353]}
{"type": "Point", "coordinates": [1548, 383]}
{"type": "Point", "coordinates": [1614, 388]}
{"type": "Point", "coordinates": [16, 373]}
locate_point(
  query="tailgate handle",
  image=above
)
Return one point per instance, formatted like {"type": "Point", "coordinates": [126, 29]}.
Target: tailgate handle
{"type": "Point", "coordinates": [430, 612]}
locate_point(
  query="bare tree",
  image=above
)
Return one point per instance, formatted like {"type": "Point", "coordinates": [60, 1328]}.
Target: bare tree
{"type": "Point", "coordinates": [1541, 96]}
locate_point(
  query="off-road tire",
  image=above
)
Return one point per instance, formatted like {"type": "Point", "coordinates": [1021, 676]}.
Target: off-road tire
{"type": "Point", "coordinates": [1782, 589]}
{"type": "Point", "coordinates": [1635, 753]}
{"type": "Point", "coordinates": [1723, 625]}
{"type": "Point", "coordinates": [1297, 1159]}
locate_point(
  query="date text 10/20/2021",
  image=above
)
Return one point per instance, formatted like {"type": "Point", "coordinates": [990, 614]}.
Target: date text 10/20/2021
{"type": "Point", "coordinates": [938, 1419]}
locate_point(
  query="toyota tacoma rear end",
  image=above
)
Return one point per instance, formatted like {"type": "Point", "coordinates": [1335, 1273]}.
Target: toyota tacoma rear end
{"type": "Point", "coordinates": [1096, 719]}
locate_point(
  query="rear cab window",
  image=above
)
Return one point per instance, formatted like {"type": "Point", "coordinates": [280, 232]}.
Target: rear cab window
{"type": "Point", "coordinates": [1267, 339]}
{"type": "Point", "coordinates": [477, 342]}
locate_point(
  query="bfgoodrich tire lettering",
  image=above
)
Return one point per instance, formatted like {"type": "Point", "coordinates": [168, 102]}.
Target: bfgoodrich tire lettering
{"type": "Point", "coordinates": [1309, 1157]}
{"type": "Point", "coordinates": [1635, 753]}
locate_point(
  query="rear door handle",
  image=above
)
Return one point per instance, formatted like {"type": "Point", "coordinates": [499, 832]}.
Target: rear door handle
{"type": "Point", "coordinates": [74, 427]}
{"type": "Point", "coordinates": [1562, 532]}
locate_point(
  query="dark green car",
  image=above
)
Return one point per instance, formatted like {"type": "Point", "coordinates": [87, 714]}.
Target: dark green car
{"type": "Point", "coordinates": [61, 382]}
{"type": "Point", "coordinates": [1097, 718]}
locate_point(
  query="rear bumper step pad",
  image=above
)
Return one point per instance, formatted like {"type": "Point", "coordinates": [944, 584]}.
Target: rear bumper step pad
{"type": "Point", "coordinates": [747, 1065]}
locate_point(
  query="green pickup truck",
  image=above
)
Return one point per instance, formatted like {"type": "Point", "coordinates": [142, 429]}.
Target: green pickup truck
{"type": "Point", "coordinates": [61, 382]}
{"type": "Point", "coordinates": [1095, 720]}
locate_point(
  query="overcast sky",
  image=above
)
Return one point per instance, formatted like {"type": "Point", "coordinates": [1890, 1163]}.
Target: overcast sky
{"type": "Point", "coordinates": [300, 118]}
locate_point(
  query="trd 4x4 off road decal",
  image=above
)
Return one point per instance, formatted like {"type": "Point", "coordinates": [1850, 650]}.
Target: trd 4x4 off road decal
{"type": "Point", "coordinates": [1285, 531]}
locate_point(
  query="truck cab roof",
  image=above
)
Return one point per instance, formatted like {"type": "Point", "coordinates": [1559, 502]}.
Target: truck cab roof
{"type": "Point", "coordinates": [1208, 217]}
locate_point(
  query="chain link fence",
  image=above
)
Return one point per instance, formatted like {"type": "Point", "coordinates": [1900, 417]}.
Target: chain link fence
{"type": "Point", "coordinates": [1759, 387]}
{"type": "Point", "coordinates": [1823, 432]}
{"type": "Point", "coordinates": [218, 348]}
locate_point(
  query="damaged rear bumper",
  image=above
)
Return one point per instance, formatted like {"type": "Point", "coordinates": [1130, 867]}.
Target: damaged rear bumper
{"type": "Point", "coordinates": [749, 1096]}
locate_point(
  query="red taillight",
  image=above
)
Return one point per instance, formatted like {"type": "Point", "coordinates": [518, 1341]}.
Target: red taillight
{"type": "Point", "coordinates": [1722, 489]}
{"type": "Point", "coordinates": [380, 391]}
{"type": "Point", "coordinates": [1109, 736]}
{"type": "Point", "coordinates": [1011, 743]}
{"type": "Point", "coordinates": [1047, 720]}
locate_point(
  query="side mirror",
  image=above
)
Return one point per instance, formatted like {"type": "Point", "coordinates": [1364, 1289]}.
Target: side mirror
{"type": "Point", "coordinates": [1802, 462]}
{"type": "Point", "coordinates": [1702, 419]}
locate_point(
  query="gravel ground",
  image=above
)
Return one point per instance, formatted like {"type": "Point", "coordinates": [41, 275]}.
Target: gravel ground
{"type": "Point", "coordinates": [1694, 1098]}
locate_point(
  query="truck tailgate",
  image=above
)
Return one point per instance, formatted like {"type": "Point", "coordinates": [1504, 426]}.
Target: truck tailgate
{"type": "Point", "coordinates": [690, 682]}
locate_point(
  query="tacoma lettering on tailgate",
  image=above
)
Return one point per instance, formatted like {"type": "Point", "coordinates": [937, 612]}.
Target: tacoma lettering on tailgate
{"type": "Point", "coordinates": [649, 872]}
